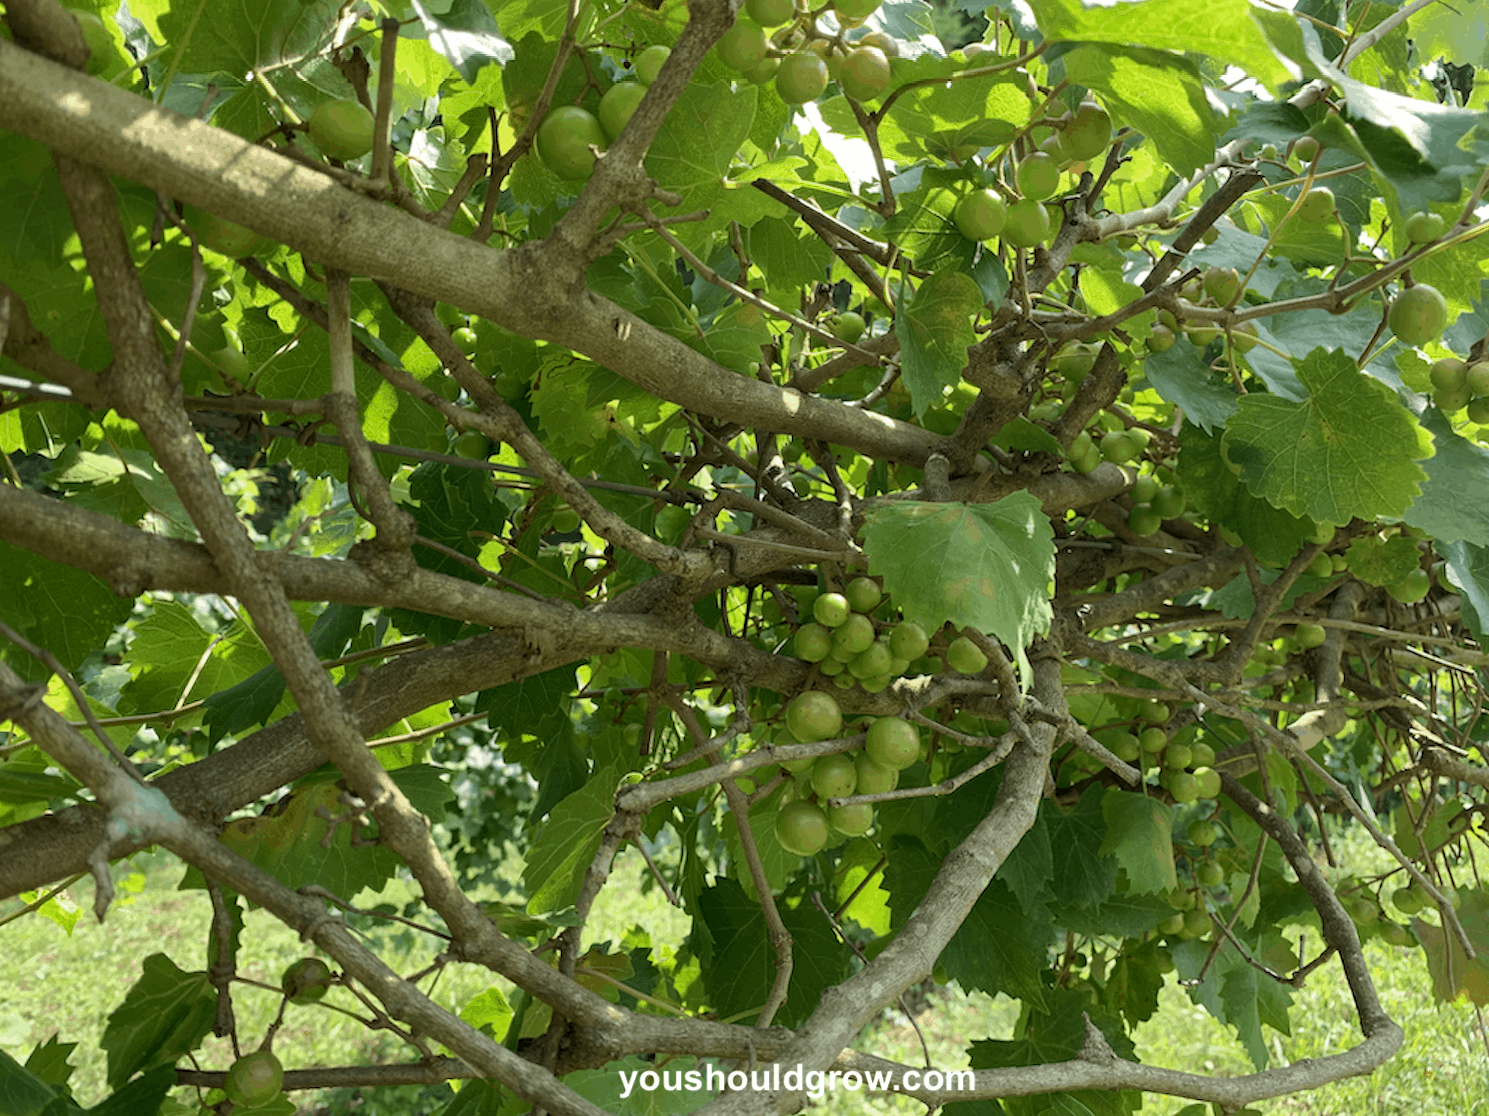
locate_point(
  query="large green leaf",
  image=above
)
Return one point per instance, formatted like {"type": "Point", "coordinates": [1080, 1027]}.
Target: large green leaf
{"type": "Point", "coordinates": [1454, 504]}
{"type": "Point", "coordinates": [987, 566]}
{"type": "Point", "coordinates": [1224, 30]}
{"type": "Point", "coordinates": [164, 1015]}
{"type": "Point", "coordinates": [1350, 449]}
{"type": "Point", "coordinates": [740, 937]}
{"type": "Point", "coordinates": [935, 330]}
{"type": "Point", "coordinates": [1000, 948]}
{"type": "Point", "coordinates": [564, 845]}
{"type": "Point", "coordinates": [1161, 95]}
{"type": "Point", "coordinates": [1139, 835]}
{"type": "Point", "coordinates": [1214, 490]}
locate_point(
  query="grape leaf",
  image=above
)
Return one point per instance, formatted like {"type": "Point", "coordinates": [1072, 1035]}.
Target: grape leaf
{"type": "Point", "coordinates": [1350, 449]}
{"type": "Point", "coordinates": [1183, 378]}
{"type": "Point", "coordinates": [1159, 94]}
{"type": "Point", "coordinates": [1081, 875]}
{"type": "Point", "coordinates": [999, 948]}
{"type": "Point", "coordinates": [739, 933]}
{"type": "Point", "coordinates": [566, 842]}
{"type": "Point", "coordinates": [1453, 506]}
{"type": "Point", "coordinates": [165, 1014]}
{"type": "Point", "coordinates": [986, 566]}
{"type": "Point", "coordinates": [1468, 568]}
{"type": "Point", "coordinates": [1382, 561]}
{"type": "Point", "coordinates": [867, 902]}
{"type": "Point", "coordinates": [935, 330]}
{"type": "Point", "coordinates": [1224, 30]}
{"type": "Point", "coordinates": [1217, 493]}
{"type": "Point", "coordinates": [1139, 833]}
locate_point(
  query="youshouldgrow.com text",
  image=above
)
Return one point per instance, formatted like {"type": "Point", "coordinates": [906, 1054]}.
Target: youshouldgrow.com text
{"type": "Point", "coordinates": [797, 1079]}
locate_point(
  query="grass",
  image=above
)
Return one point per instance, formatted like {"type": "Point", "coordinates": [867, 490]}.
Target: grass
{"type": "Point", "coordinates": [52, 983]}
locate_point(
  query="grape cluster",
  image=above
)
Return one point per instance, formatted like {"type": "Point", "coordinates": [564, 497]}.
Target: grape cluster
{"type": "Point", "coordinates": [850, 649]}
{"type": "Point", "coordinates": [1456, 384]}
{"type": "Point", "coordinates": [891, 744]}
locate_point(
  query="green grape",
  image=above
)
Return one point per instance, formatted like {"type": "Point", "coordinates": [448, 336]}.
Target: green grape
{"type": "Point", "coordinates": [834, 776]}
{"type": "Point", "coordinates": [965, 657]}
{"type": "Point", "coordinates": [872, 662]}
{"type": "Point", "coordinates": [908, 640]}
{"type": "Point", "coordinates": [855, 634]}
{"type": "Point", "coordinates": [813, 643]}
{"type": "Point", "coordinates": [863, 594]}
{"type": "Point", "coordinates": [830, 610]}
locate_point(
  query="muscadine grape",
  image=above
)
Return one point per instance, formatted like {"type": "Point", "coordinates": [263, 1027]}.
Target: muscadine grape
{"type": "Point", "coordinates": [1317, 205]}
{"type": "Point", "coordinates": [1173, 925]}
{"type": "Point", "coordinates": [1144, 520]}
{"type": "Point", "coordinates": [1201, 755]}
{"type": "Point", "coordinates": [874, 778]}
{"type": "Point", "coordinates": [834, 776]}
{"type": "Point", "coordinates": [863, 594]}
{"type": "Point", "coordinates": [1176, 756]}
{"type": "Point", "coordinates": [1477, 377]}
{"type": "Point", "coordinates": [1202, 833]}
{"type": "Point", "coordinates": [1418, 314]}
{"type": "Point", "coordinates": [864, 73]}
{"type": "Point", "coordinates": [1478, 410]}
{"type": "Point", "coordinates": [892, 742]}
{"type": "Point", "coordinates": [763, 72]}
{"type": "Point", "coordinates": [848, 326]}
{"type": "Point", "coordinates": [1038, 176]}
{"type": "Point", "coordinates": [564, 140]}
{"type": "Point", "coordinates": [873, 661]}
{"type": "Point", "coordinates": [1027, 224]}
{"type": "Point", "coordinates": [1118, 447]}
{"type": "Point", "coordinates": [813, 643]}
{"type": "Point", "coordinates": [743, 46]}
{"type": "Point", "coordinates": [1196, 923]}
{"type": "Point", "coordinates": [881, 41]}
{"type": "Point", "coordinates": [1311, 635]}
{"type": "Point", "coordinates": [832, 667]}
{"type": "Point", "coordinates": [254, 1079]}
{"type": "Point", "coordinates": [1209, 874]}
{"type": "Point", "coordinates": [980, 215]}
{"type": "Point", "coordinates": [802, 828]}
{"type": "Point", "coordinates": [649, 63]}
{"type": "Point", "coordinates": [1161, 340]}
{"type": "Point", "coordinates": [813, 716]}
{"type": "Point", "coordinates": [1449, 374]}
{"type": "Point", "coordinates": [306, 981]}
{"type": "Point", "coordinates": [855, 9]}
{"type": "Point", "coordinates": [854, 635]}
{"type": "Point", "coordinates": [830, 610]}
{"type": "Point", "coordinates": [1153, 711]}
{"type": "Point", "coordinates": [1169, 502]}
{"type": "Point", "coordinates": [1222, 283]}
{"type": "Point", "coordinates": [342, 129]}
{"type": "Point", "coordinates": [771, 13]}
{"type": "Point", "coordinates": [1125, 746]}
{"type": "Point", "coordinates": [851, 821]}
{"type": "Point", "coordinates": [1406, 900]}
{"type": "Point", "coordinates": [1183, 786]}
{"type": "Point", "coordinates": [1422, 227]}
{"type": "Point", "coordinates": [1088, 133]}
{"type": "Point", "coordinates": [802, 77]}
{"type": "Point", "coordinates": [619, 104]}
{"type": "Point", "coordinates": [965, 657]}
{"type": "Point", "coordinates": [1207, 781]}
{"type": "Point", "coordinates": [1412, 588]}
{"type": "Point", "coordinates": [908, 640]}
{"type": "Point", "coordinates": [1395, 934]}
